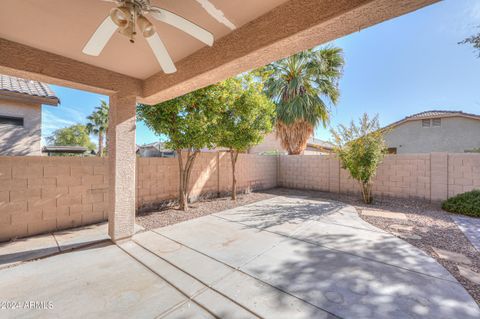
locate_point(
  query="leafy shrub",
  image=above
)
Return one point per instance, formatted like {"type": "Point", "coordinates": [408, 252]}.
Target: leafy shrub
{"type": "Point", "coordinates": [466, 204]}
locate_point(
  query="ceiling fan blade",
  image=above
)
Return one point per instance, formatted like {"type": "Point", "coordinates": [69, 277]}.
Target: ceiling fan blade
{"type": "Point", "coordinates": [161, 53]}
{"type": "Point", "coordinates": [182, 24]}
{"type": "Point", "coordinates": [100, 37]}
{"type": "Point", "coordinates": [217, 14]}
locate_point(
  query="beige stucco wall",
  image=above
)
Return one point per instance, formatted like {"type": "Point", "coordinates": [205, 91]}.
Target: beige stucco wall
{"type": "Point", "coordinates": [455, 135]}
{"type": "Point", "coordinates": [269, 144]}
{"type": "Point", "coordinates": [16, 140]}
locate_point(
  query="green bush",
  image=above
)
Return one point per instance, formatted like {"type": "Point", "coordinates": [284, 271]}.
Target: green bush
{"type": "Point", "coordinates": [465, 204]}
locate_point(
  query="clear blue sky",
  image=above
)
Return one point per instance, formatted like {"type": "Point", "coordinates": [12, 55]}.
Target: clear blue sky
{"type": "Point", "coordinates": [397, 68]}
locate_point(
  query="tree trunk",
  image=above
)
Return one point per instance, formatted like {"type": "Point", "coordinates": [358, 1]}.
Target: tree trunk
{"type": "Point", "coordinates": [182, 199]}
{"type": "Point", "coordinates": [100, 144]}
{"type": "Point", "coordinates": [184, 174]}
{"type": "Point", "coordinates": [367, 193]}
{"type": "Point", "coordinates": [233, 157]}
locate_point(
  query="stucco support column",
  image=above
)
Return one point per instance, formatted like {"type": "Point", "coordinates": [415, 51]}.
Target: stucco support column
{"type": "Point", "coordinates": [121, 163]}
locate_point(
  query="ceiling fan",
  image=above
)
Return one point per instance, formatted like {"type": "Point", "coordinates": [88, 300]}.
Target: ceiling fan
{"type": "Point", "coordinates": [129, 19]}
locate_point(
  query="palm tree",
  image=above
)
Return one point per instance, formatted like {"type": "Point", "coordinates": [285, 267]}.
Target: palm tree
{"type": "Point", "coordinates": [98, 124]}
{"type": "Point", "coordinates": [302, 87]}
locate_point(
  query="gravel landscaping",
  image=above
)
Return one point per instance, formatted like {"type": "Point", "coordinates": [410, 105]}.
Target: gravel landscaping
{"type": "Point", "coordinates": [420, 223]}
{"type": "Point", "coordinates": [170, 214]}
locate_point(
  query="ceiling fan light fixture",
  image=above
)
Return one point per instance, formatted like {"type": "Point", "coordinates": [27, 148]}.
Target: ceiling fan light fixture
{"type": "Point", "coordinates": [146, 27]}
{"type": "Point", "coordinates": [121, 16]}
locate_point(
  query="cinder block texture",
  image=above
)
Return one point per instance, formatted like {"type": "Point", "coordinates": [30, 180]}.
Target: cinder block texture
{"type": "Point", "coordinates": [434, 176]}
{"type": "Point", "coordinates": [42, 194]}
{"type": "Point", "coordinates": [211, 174]}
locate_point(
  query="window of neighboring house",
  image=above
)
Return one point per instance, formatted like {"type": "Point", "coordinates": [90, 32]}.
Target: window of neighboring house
{"type": "Point", "coordinates": [426, 123]}
{"type": "Point", "coordinates": [9, 120]}
{"type": "Point", "coordinates": [392, 150]}
{"type": "Point", "coordinates": [437, 122]}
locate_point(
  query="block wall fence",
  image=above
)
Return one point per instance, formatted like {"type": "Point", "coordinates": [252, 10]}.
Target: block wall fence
{"type": "Point", "coordinates": [42, 194]}
{"type": "Point", "coordinates": [433, 177]}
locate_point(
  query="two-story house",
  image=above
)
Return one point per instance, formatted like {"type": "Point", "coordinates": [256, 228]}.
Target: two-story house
{"type": "Point", "coordinates": [21, 115]}
{"type": "Point", "coordinates": [434, 131]}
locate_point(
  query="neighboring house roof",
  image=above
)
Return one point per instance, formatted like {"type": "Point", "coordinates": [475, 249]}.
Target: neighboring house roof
{"type": "Point", "coordinates": [21, 88]}
{"type": "Point", "coordinates": [318, 143]}
{"type": "Point", "coordinates": [433, 114]}
{"type": "Point", "coordinates": [160, 146]}
{"type": "Point", "coordinates": [64, 149]}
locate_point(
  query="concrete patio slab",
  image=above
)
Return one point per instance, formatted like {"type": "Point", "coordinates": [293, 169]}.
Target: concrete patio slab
{"type": "Point", "coordinates": [284, 215]}
{"type": "Point", "coordinates": [187, 285]}
{"type": "Point", "coordinates": [41, 246]}
{"type": "Point", "coordinates": [184, 258]}
{"type": "Point", "coordinates": [333, 225]}
{"type": "Point", "coordinates": [335, 281]}
{"type": "Point", "coordinates": [188, 310]}
{"type": "Point", "coordinates": [267, 301]}
{"type": "Point", "coordinates": [97, 282]}
{"type": "Point", "coordinates": [255, 299]}
{"type": "Point", "coordinates": [374, 245]}
{"type": "Point", "coordinates": [341, 281]}
{"type": "Point", "coordinates": [15, 252]}
{"type": "Point", "coordinates": [470, 226]}
{"type": "Point", "coordinates": [76, 237]}
{"type": "Point", "coordinates": [218, 238]}
{"type": "Point", "coordinates": [214, 267]}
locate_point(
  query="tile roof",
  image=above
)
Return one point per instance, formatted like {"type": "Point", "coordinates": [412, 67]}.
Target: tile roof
{"type": "Point", "coordinates": [320, 143]}
{"type": "Point", "coordinates": [437, 113]}
{"type": "Point", "coordinates": [28, 87]}
{"type": "Point", "coordinates": [433, 114]}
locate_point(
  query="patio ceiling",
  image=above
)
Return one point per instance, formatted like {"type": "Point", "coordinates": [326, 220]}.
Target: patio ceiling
{"type": "Point", "coordinates": [43, 40]}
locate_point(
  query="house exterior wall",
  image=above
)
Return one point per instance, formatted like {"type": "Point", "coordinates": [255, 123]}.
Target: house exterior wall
{"type": "Point", "coordinates": [269, 144]}
{"type": "Point", "coordinates": [455, 135]}
{"type": "Point", "coordinates": [16, 140]}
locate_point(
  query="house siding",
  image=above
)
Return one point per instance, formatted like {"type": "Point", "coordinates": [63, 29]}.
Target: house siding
{"type": "Point", "coordinates": [16, 140]}
{"type": "Point", "coordinates": [455, 135]}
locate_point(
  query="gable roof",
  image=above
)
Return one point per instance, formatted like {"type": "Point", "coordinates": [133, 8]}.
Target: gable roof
{"type": "Point", "coordinates": [434, 114]}
{"type": "Point", "coordinates": [318, 143]}
{"type": "Point", "coordinates": [21, 88]}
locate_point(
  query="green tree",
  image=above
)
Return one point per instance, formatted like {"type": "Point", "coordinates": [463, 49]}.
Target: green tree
{"type": "Point", "coordinates": [75, 135]}
{"type": "Point", "coordinates": [246, 118]}
{"type": "Point", "coordinates": [360, 149]}
{"type": "Point", "coordinates": [474, 40]}
{"type": "Point", "coordinates": [190, 123]}
{"type": "Point", "coordinates": [302, 87]}
{"type": "Point", "coordinates": [98, 124]}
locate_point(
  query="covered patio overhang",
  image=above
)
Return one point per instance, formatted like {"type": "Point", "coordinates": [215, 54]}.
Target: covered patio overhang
{"type": "Point", "coordinates": [44, 40]}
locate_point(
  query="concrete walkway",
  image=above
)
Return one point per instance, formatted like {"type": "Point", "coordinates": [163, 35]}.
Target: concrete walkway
{"type": "Point", "coordinates": [280, 258]}
{"type": "Point", "coordinates": [470, 226]}
{"type": "Point", "coordinates": [41, 246]}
